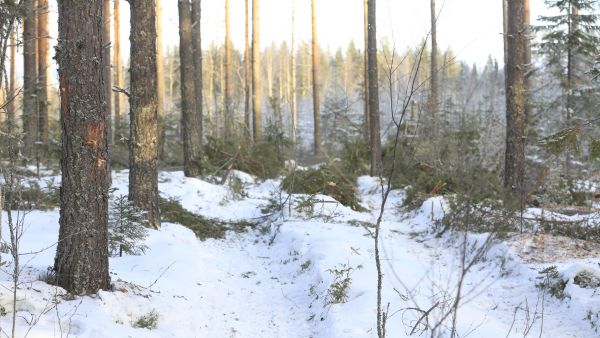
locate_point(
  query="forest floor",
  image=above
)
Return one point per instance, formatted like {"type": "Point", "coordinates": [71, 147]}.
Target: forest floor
{"type": "Point", "coordinates": [305, 271]}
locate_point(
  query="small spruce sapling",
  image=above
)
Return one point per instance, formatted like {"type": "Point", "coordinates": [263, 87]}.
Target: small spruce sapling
{"type": "Point", "coordinates": [126, 228]}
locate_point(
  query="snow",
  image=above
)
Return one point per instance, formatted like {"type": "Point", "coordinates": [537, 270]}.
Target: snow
{"type": "Point", "coordinates": [278, 283]}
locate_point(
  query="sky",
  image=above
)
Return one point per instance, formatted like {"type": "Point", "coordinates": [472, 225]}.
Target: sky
{"type": "Point", "coordinates": [472, 28]}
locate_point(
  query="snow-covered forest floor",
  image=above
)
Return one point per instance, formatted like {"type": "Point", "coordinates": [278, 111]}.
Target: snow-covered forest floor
{"type": "Point", "coordinates": [305, 271]}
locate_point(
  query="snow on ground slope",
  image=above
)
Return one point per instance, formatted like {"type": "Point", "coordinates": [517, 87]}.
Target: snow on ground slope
{"type": "Point", "coordinates": [311, 275]}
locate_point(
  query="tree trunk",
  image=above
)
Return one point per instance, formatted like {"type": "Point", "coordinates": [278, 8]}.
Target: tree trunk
{"type": "Point", "coordinates": [294, 109]}
{"type": "Point", "coordinates": [11, 111]}
{"type": "Point", "coordinates": [516, 69]}
{"type": "Point", "coordinates": [366, 122]}
{"type": "Point", "coordinates": [118, 70]}
{"type": "Point", "coordinates": [197, 54]}
{"type": "Point", "coordinates": [256, 83]}
{"type": "Point", "coordinates": [433, 95]}
{"type": "Point", "coordinates": [143, 145]}
{"type": "Point", "coordinates": [108, 70]}
{"type": "Point", "coordinates": [571, 60]}
{"type": "Point", "coordinates": [43, 68]}
{"type": "Point", "coordinates": [229, 118]}
{"type": "Point", "coordinates": [189, 117]}
{"type": "Point", "coordinates": [81, 262]}
{"type": "Point", "coordinates": [375, 129]}
{"type": "Point", "coordinates": [160, 77]}
{"type": "Point", "coordinates": [315, 84]}
{"type": "Point", "coordinates": [247, 76]}
{"type": "Point", "coordinates": [30, 108]}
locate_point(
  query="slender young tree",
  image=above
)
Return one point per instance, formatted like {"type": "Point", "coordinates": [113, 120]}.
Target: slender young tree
{"type": "Point", "coordinates": [315, 77]}
{"type": "Point", "coordinates": [247, 77]}
{"type": "Point", "coordinates": [30, 108]}
{"type": "Point", "coordinates": [256, 83]}
{"type": "Point", "coordinates": [229, 118]}
{"type": "Point", "coordinates": [433, 94]}
{"type": "Point", "coordinates": [143, 145]}
{"type": "Point", "coordinates": [119, 81]}
{"type": "Point", "coordinates": [294, 108]}
{"type": "Point", "coordinates": [366, 123]}
{"type": "Point", "coordinates": [189, 118]}
{"type": "Point", "coordinates": [375, 128]}
{"type": "Point", "coordinates": [43, 68]}
{"type": "Point", "coordinates": [81, 262]}
{"type": "Point", "coordinates": [516, 69]}
{"type": "Point", "coordinates": [12, 84]}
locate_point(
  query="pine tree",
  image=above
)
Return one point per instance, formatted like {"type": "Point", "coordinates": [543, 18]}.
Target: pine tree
{"type": "Point", "coordinates": [81, 262]}
{"type": "Point", "coordinates": [143, 143]}
{"type": "Point", "coordinates": [569, 43]}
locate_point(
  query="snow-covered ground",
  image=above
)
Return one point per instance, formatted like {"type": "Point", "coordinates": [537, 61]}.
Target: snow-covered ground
{"type": "Point", "coordinates": [312, 274]}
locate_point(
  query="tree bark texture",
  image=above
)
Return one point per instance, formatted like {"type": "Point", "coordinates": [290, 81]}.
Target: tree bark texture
{"type": "Point", "coordinates": [43, 68]}
{"type": "Point", "coordinates": [189, 119]}
{"type": "Point", "coordinates": [81, 262]}
{"type": "Point", "coordinates": [143, 143]}
{"type": "Point", "coordinates": [118, 68]}
{"type": "Point", "coordinates": [30, 108]}
{"type": "Point", "coordinates": [516, 68]}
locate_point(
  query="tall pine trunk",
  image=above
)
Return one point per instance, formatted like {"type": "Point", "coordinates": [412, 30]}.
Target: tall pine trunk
{"type": "Point", "coordinates": [294, 109]}
{"type": "Point", "coordinates": [108, 70]}
{"type": "Point", "coordinates": [516, 120]}
{"type": "Point", "coordinates": [433, 95]}
{"type": "Point", "coordinates": [229, 117]}
{"type": "Point", "coordinates": [143, 144]}
{"type": "Point", "coordinates": [189, 118]}
{"type": "Point", "coordinates": [366, 121]}
{"type": "Point", "coordinates": [315, 83]}
{"type": "Point", "coordinates": [247, 72]}
{"type": "Point", "coordinates": [30, 108]}
{"type": "Point", "coordinates": [256, 75]}
{"type": "Point", "coordinates": [160, 77]}
{"type": "Point", "coordinates": [197, 54]}
{"type": "Point", "coordinates": [43, 69]}
{"type": "Point", "coordinates": [375, 128]}
{"type": "Point", "coordinates": [118, 70]}
{"type": "Point", "coordinates": [81, 262]}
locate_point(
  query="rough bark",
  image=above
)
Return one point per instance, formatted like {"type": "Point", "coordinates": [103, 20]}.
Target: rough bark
{"type": "Point", "coordinates": [108, 71]}
{"type": "Point", "coordinates": [247, 76]}
{"type": "Point", "coordinates": [30, 108]}
{"type": "Point", "coordinates": [189, 121]}
{"type": "Point", "coordinates": [229, 118]}
{"type": "Point", "coordinates": [433, 95]}
{"type": "Point", "coordinates": [197, 55]}
{"type": "Point", "coordinates": [256, 83]}
{"type": "Point", "coordinates": [143, 143]}
{"type": "Point", "coordinates": [315, 83]}
{"type": "Point", "coordinates": [160, 76]}
{"type": "Point", "coordinates": [118, 68]}
{"type": "Point", "coordinates": [293, 79]}
{"type": "Point", "coordinates": [516, 69]}
{"type": "Point", "coordinates": [81, 262]}
{"type": "Point", "coordinates": [375, 128]}
{"type": "Point", "coordinates": [43, 68]}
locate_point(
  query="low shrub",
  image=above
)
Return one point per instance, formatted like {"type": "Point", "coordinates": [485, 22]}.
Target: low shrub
{"type": "Point", "coordinates": [326, 180]}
